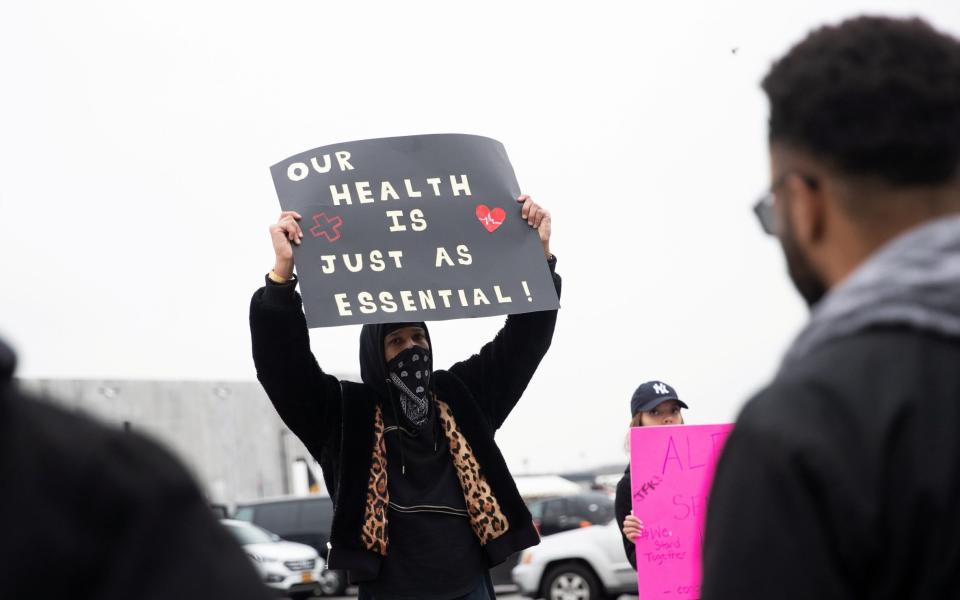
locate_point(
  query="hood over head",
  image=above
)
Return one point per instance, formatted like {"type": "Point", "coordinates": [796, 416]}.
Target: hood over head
{"type": "Point", "coordinates": [373, 368]}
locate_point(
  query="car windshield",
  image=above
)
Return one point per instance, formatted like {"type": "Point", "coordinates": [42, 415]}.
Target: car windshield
{"type": "Point", "coordinates": [595, 508]}
{"type": "Point", "coordinates": [249, 534]}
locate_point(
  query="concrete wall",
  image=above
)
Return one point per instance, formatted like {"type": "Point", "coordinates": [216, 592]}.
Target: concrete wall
{"type": "Point", "coordinates": [227, 433]}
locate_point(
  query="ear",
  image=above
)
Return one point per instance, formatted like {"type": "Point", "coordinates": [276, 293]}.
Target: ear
{"type": "Point", "coordinates": [807, 210]}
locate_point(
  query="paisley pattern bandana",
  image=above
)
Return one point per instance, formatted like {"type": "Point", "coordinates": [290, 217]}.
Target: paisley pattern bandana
{"type": "Point", "coordinates": [410, 374]}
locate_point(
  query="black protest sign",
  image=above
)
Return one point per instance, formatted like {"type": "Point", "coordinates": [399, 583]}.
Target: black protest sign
{"type": "Point", "coordinates": [412, 228]}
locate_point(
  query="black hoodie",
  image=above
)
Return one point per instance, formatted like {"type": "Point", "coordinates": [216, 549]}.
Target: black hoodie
{"type": "Point", "coordinates": [428, 525]}
{"type": "Point", "coordinates": [335, 419]}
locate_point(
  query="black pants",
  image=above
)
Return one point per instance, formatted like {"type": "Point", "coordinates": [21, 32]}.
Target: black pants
{"type": "Point", "coordinates": [483, 591]}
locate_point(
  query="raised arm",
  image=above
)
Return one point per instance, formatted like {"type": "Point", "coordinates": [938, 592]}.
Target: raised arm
{"type": "Point", "coordinates": [500, 372]}
{"type": "Point", "coordinates": [307, 399]}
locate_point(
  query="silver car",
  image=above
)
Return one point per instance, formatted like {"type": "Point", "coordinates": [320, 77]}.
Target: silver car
{"type": "Point", "coordinates": [293, 569]}
{"type": "Point", "coordinates": [582, 564]}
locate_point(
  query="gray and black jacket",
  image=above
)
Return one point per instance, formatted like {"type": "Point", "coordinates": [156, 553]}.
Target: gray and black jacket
{"type": "Point", "coordinates": [841, 479]}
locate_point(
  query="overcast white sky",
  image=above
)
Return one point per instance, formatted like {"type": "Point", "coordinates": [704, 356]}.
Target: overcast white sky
{"type": "Point", "coordinates": [135, 193]}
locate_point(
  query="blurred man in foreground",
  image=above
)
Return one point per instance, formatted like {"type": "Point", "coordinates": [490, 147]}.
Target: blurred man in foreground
{"type": "Point", "coordinates": [89, 512]}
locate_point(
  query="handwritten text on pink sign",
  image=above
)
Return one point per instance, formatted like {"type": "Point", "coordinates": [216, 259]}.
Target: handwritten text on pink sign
{"type": "Point", "coordinates": [671, 469]}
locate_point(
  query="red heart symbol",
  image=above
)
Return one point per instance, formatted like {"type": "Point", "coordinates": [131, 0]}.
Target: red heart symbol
{"type": "Point", "coordinates": [491, 219]}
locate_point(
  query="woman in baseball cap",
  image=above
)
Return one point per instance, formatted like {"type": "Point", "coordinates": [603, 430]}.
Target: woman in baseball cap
{"type": "Point", "coordinates": [654, 403]}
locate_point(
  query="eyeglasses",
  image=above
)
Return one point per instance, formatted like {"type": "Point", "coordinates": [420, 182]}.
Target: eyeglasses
{"type": "Point", "coordinates": [763, 208]}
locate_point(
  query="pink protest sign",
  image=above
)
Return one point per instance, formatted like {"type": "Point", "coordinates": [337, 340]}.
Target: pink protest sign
{"type": "Point", "coordinates": [671, 469]}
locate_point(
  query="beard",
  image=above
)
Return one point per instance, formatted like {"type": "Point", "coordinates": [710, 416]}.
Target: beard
{"type": "Point", "coordinates": [805, 278]}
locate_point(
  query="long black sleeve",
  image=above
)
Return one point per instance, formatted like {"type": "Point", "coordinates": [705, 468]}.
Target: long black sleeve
{"type": "Point", "coordinates": [306, 398]}
{"type": "Point", "coordinates": [500, 372]}
{"type": "Point", "coordinates": [622, 506]}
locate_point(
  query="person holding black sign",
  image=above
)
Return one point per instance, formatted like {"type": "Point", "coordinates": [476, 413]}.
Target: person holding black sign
{"type": "Point", "coordinates": [424, 502]}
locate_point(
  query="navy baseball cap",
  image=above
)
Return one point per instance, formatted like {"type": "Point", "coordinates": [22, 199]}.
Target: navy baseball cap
{"type": "Point", "coordinates": [652, 393]}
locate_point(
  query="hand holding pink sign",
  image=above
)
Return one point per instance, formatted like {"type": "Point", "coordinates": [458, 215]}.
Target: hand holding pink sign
{"type": "Point", "coordinates": [671, 469]}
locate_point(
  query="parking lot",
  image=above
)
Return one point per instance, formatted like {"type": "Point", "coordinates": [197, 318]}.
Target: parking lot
{"type": "Point", "coordinates": [506, 595]}
{"type": "Point", "coordinates": [589, 552]}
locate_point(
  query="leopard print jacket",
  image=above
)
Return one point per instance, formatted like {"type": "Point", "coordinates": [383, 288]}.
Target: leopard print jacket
{"type": "Point", "coordinates": [486, 517]}
{"type": "Point", "coordinates": [374, 530]}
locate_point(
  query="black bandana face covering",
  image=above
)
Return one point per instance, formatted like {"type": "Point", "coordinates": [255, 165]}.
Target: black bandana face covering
{"type": "Point", "coordinates": [410, 374]}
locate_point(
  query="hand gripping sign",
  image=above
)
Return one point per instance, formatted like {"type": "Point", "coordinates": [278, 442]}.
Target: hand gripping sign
{"type": "Point", "coordinates": [671, 469]}
{"type": "Point", "coordinates": [412, 228]}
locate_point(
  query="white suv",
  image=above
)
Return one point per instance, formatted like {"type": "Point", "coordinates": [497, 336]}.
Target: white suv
{"type": "Point", "coordinates": [288, 567]}
{"type": "Point", "coordinates": [582, 564]}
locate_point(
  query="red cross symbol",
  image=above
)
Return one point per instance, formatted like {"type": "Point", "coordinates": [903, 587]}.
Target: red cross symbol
{"type": "Point", "coordinates": [328, 227]}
